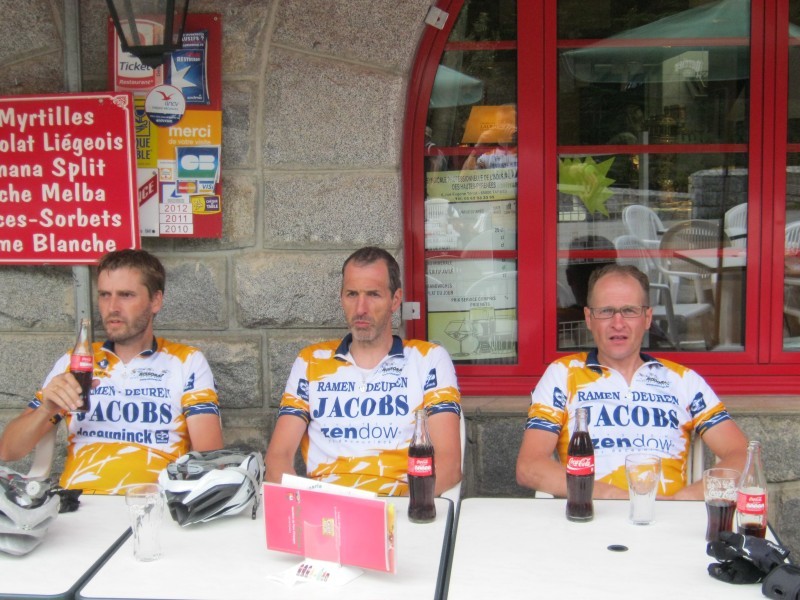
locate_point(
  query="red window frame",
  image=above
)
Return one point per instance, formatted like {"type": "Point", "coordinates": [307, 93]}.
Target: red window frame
{"type": "Point", "coordinates": [762, 366]}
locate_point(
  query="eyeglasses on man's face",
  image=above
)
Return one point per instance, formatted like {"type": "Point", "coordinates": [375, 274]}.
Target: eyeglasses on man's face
{"type": "Point", "coordinates": [608, 312]}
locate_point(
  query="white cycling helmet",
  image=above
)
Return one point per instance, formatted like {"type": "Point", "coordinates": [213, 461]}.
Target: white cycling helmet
{"type": "Point", "coordinates": [201, 486]}
{"type": "Point", "coordinates": [27, 507]}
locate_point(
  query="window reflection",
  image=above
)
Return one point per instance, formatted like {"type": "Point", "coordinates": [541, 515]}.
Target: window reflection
{"type": "Point", "coordinates": [678, 214]}
{"type": "Point", "coordinates": [471, 188]}
{"type": "Point", "coordinates": [791, 282]}
{"type": "Point", "coordinates": [791, 288]}
{"type": "Point", "coordinates": [472, 308]}
{"type": "Point", "coordinates": [691, 244]}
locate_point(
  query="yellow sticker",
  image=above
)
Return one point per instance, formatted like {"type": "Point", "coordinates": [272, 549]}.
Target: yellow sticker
{"type": "Point", "coordinates": [328, 527]}
{"type": "Point", "coordinates": [205, 204]}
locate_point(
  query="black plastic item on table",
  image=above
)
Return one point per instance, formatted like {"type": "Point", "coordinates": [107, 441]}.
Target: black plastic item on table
{"type": "Point", "coordinates": [783, 583]}
{"type": "Point", "coordinates": [744, 558]}
{"type": "Point", "coordinates": [69, 499]}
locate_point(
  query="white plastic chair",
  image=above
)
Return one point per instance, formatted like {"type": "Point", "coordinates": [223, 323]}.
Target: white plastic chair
{"type": "Point", "coordinates": [565, 296]}
{"type": "Point", "coordinates": [736, 225]}
{"type": "Point", "coordinates": [664, 304]}
{"type": "Point", "coordinates": [792, 247]}
{"type": "Point", "coordinates": [643, 223]}
{"type": "Point", "coordinates": [793, 236]}
{"type": "Point", "coordinates": [694, 234]}
{"type": "Point", "coordinates": [454, 493]}
{"type": "Point", "coordinates": [43, 455]}
{"type": "Point", "coordinates": [696, 460]}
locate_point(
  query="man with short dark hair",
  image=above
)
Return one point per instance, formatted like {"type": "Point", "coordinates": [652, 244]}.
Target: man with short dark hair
{"type": "Point", "coordinates": [152, 401]}
{"type": "Point", "coordinates": [349, 404]}
{"type": "Point", "coordinates": [636, 403]}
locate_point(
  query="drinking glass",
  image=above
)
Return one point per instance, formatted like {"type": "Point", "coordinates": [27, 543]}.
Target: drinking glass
{"type": "Point", "coordinates": [643, 472]}
{"type": "Point", "coordinates": [146, 508]}
{"type": "Point", "coordinates": [719, 491]}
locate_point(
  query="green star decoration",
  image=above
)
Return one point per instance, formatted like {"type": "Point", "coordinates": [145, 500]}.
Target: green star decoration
{"type": "Point", "coordinates": [587, 180]}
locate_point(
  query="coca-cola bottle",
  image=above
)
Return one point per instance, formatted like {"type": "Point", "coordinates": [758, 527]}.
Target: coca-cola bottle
{"type": "Point", "coordinates": [81, 364]}
{"type": "Point", "coordinates": [421, 472]}
{"type": "Point", "coordinates": [751, 498]}
{"type": "Point", "coordinates": [580, 470]}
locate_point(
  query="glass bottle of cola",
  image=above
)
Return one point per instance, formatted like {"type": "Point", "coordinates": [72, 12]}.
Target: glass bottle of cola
{"type": "Point", "coordinates": [81, 363]}
{"type": "Point", "coordinates": [751, 498]}
{"type": "Point", "coordinates": [421, 472]}
{"type": "Point", "coordinates": [580, 470]}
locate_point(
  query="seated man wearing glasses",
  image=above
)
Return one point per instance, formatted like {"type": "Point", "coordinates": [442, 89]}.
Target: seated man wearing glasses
{"type": "Point", "coordinates": [636, 403]}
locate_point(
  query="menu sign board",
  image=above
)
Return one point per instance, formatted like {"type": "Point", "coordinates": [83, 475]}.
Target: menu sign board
{"type": "Point", "coordinates": [67, 178]}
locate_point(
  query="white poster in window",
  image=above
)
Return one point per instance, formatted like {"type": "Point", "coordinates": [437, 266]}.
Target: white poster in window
{"type": "Point", "coordinates": [470, 225]}
{"type": "Point", "coordinates": [476, 185]}
{"type": "Point", "coordinates": [472, 307]}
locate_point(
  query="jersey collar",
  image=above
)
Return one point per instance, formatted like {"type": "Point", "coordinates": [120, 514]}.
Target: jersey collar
{"type": "Point", "coordinates": [108, 345]}
{"type": "Point", "coordinates": [594, 364]}
{"type": "Point", "coordinates": [344, 347]}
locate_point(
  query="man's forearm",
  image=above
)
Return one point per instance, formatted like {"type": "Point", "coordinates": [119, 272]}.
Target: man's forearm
{"type": "Point", "coordinates": [277, 467]}
{"type": "Point", "coordinates": [23, 433]}
{"type": "Point", "coordinates": [278, 460]}
{"type": "Point", "coordinates": [446, 477]}
{"type": "Point", "coordinates": [542, 474]}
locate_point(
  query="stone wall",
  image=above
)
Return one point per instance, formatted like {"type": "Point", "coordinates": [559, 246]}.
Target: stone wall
{"type": "Point", "coordinates": [313, 107]}
{"type": "Point", "coordinates": [314, 94]}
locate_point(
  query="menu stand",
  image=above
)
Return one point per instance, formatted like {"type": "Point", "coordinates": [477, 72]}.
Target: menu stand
{"type": "Point", "coordinates": [321, 540]}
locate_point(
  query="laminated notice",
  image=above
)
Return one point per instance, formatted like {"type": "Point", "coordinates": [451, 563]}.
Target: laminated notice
{"type": "Point", "coordinates": [188, 68]}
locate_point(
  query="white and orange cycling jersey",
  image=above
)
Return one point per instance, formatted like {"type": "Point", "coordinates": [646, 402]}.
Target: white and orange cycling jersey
{"type": "Point", "coordinates": [657, 413]}
{"type": "Point", "coordinates": [360, 423]}
{"type": "Point", "coordinates": [136, 423]}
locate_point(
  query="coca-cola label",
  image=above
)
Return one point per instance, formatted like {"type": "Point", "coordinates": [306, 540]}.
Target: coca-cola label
{"type": "Point", "coordinates": [751, 504]}
{"type": "Point", "coordinates": [580, 465]}
{"type": "Point", "coordinates": [81, 362]}
{"type": "Point", "coordinates": [420, 466]}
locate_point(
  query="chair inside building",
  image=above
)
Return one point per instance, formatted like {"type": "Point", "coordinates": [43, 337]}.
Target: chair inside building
{"type": "Point", "coordinates": [736, 225]}
{"type": "Point", "coordinates": [669, 314]}
{"type": "Point", "coordinates": [791, 281]}
{"type": "Point", "coordinates": [643, 223]}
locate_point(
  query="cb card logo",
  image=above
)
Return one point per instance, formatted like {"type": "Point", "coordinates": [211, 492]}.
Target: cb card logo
{"type": "Point", "coordinates": [199, 165]}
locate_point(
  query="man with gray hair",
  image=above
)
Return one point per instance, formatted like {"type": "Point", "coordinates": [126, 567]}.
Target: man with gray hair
{"type": "Point", "coordinates": [636, 403]}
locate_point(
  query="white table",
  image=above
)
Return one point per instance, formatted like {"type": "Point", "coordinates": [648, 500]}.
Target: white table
{"type": "Point", "coordinates": [228, 559]}
{"type": "Point", "coordinates": [729, 265]}
{"type": "Point", "coordinates": [712, 259]}
{"type": "Point", "coordinates": [525, 548]}
{"type": "Point", "coordinates": [74, 544]}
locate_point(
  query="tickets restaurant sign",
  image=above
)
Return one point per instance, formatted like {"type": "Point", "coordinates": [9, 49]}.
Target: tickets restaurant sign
{"type": "Point", "coordinates": [67, 178]}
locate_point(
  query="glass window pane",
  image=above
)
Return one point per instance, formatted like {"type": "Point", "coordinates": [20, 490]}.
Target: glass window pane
{"type": "Point", "coordinates": [794, 74]}
{"type": "Point", "coordinates": [472, 309]}
{"type": "Point", "coordinates": [619, 83]}
{"type": "Point", "coordinates": [464, 80]}
{"type": "Point", "coordinates": [678, 99]}
{"type": "Point", "coordinates": [688, 232]}
{"type": "Point", "coordinates": [578, 19]}
{"type": "Point", "coordinates": [791, 282]}
{"type": "Point", "coordinates": [471, 188]}
{"type": "Point", "coordinates": [679, 216]}
{"type": "Point", "coordinates": [486, 20]}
